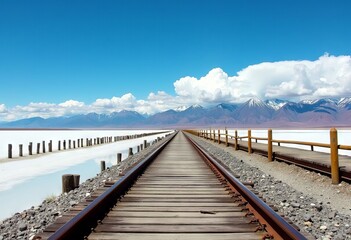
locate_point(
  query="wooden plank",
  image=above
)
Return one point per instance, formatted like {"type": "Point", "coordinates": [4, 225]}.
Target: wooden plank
{"type": "Point", "coordinates": [171, 204]}
{"type": "Point", "coordinates": [178, 209]}
{"type": "Point", "coordinates": [204, 214]}
{"type": "Point", "coordinates": [129, 195]}
{"type": "Point", "coordinates": [212, 228]}
{"type": "Point", "coordinates": [178, 236]}
{"type": "Point", "coordinates": [175, 221]}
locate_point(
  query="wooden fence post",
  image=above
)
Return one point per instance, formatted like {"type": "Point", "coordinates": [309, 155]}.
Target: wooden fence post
{"type": "Point", "coordinates": [50, 146]}
{"type": "Point", "coordinates": [30, 148]}
{"type": "Point", "coordinates": [119, 158]}
{"type": "Point", "coordinates": [102, 166]}
{"type": "Point", "coordinates": [270, 147]}
{"type": "Point", "coordinates": [67, 183]}
{"type": "Point", "coordinates": [44, 147]}
{"type": "Point", "coordinates": [334, 156]}
{"type": "Point", "coordinates": [145, 144]}
{"type": "Point", "coordinates": [130, 153]}
{"type": "Point", "coordinates": [214, 135]}
{"type": "Point", "coordinates": [21, 150]}
{"type": "Point", "coordinates": [219, 136]}
{"type": "Point", "coordinates": [226, 137]}
{"type": "Point", "coordinates": [249, 141]}
{"type": "Point", "coordinates": [38, 148]}
{"type": "Point", "coordinates": [236, 140]}
{"type": "Point", "coordinates": [9, 152]}
{"type": "Point", "coordinates": [76, 178]}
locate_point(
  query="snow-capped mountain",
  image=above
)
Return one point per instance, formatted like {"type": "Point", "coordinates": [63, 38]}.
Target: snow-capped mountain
{"type": "Point", "coordinates": [254, 112]}
{"type": "Point", "coordinates": [276, 104]}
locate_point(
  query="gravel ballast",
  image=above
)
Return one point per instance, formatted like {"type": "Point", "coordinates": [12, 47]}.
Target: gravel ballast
{"type": "Point", "coordinates": [307, 198]}
{"type": "Point", "coordinates": [25, 224]}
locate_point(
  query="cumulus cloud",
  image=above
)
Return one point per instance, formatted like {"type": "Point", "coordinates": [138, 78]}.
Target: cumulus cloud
{"type": "Point", "coordinates": [3, 108]}
{"type": "Point", "coordinates": [328, 76]}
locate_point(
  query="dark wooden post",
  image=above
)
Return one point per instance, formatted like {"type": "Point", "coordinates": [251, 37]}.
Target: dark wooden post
{"type": "Point", "coordinates": [138, 148]}
{"type": "Point", "coordinates": [38, 148]}
{"type": "Point", "coordinates": [130, 153]}
{"type": "Point", "coordinates": [74, 143]}
{"type": "Point", "coordinates": [76, 178]}
{"type": "Point", "coordinates": [226, 137]}
{"type": "Point", "coordinates": [50, 146]}
{"type": "Point", "coordinates": [145, 144]}
{"type": "Point", "coordinates": [270, 145]}
{"type": "Point", "coordinates": [59, 145]}
{"type": "Point", "coordinates": [141, 147]}
{"type": "Point", "coordinates": [119, 158]}
{"type": "Point", "coordinates": [249, 141]}
{"type": "Point", "coordinates": [334, 156]}
{"type": "Point", "coordinates": [21, 150]}
{"type": "Point", "coordinates": [69, 144]}
{"type": "Point", "coordinates": [102, 166]}
{"type": "Point", "coordinates": [67, 183]}
{"type": "Point", "coordinates": [44, 147]}
{"type": "Point", "coordinates": [236, 140]}
{"type": "Point", "coordinates": [219, 136]}
{"type": "Point", "coordinates": [9, 152]}
{"type": "Point", "coordinates": [64, 144]}
{"type": "Point", "coordinates": [30, 148]}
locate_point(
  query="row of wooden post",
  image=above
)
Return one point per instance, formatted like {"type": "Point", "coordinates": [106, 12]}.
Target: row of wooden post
{"type": "Point", "coordinates": [69, 181]}
{"type": "Point", "coordinates": [70, 144]}
{"type": "Point", "coordinates": [334, 147]}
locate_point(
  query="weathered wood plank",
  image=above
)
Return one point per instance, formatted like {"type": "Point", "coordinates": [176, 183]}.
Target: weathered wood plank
{"type": "Point", "coordinates": [178, 236]}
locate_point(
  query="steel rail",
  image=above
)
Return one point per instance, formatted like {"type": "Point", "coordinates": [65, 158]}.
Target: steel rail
{"type": "Point", "coordinates": [274, 220]}
{"type": "Point", "coordinates": [82, 224]}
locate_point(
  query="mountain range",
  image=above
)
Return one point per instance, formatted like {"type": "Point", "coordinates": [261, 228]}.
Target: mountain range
{"type": "Point", "coordinates": [253, 113]}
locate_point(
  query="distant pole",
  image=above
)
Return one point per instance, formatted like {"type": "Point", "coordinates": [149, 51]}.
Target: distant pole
{"type": "Point", "coordinates": [249, 141]}
{"type": "Point", "coordinates": [44, 147]}
{"type": "Point", "coordinates": [21, 150]}
{"type": "Point", "coordinates": [119, 158]}
{"type": "Point", "coordinates": [30, 148]}
{"type": "Point", "coordinates": [334, 156]}
{"type": "Point", "coordinates": [9, 151]}
{"type": "Point", "coordinates": [50, 146]}
{"type": "Point", "coordinates": [219, 136]}
{"type": "Point", "coordinates": [236, 140]}
{"type": "Point", "coordinates": [270, 146]}
{"type": "Point", "coordinates": [226, 137]}
{"type": "Point", "coordinates": [38, 148]}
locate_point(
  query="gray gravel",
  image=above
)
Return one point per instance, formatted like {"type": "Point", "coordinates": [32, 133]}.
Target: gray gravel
{"type": "Point", "coordinates": [313, 216]}
{"type": "Point", "coordinates": [26, 224]}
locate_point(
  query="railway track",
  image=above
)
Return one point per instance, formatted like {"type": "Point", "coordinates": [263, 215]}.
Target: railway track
{"type": "Point", "coordinates": [178, 192]}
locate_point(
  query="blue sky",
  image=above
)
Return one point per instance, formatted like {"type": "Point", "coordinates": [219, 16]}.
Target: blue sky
{"type": "Point", "coordinates": [107, 55]}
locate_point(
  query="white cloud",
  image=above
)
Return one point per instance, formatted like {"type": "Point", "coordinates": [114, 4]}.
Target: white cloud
{"type": "Point", "coordinates": [328, 76]}
{"type": "Point", "coordinates": [127, 101]}
{"type": "Point", "coordinates": [3, 108]}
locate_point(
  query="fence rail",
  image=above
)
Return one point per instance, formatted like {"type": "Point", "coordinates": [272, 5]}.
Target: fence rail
{"type": "Point", "coordinates": [333, 145]}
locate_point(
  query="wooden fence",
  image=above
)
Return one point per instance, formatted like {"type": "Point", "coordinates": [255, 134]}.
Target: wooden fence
{"type": "Point", "coordinates": [333, 145]}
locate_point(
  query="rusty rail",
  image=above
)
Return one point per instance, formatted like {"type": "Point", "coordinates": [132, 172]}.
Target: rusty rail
{"type": "Point", "coordinates": [277, 226]}
{"type": "Point", "coordinates": [81, 224]}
